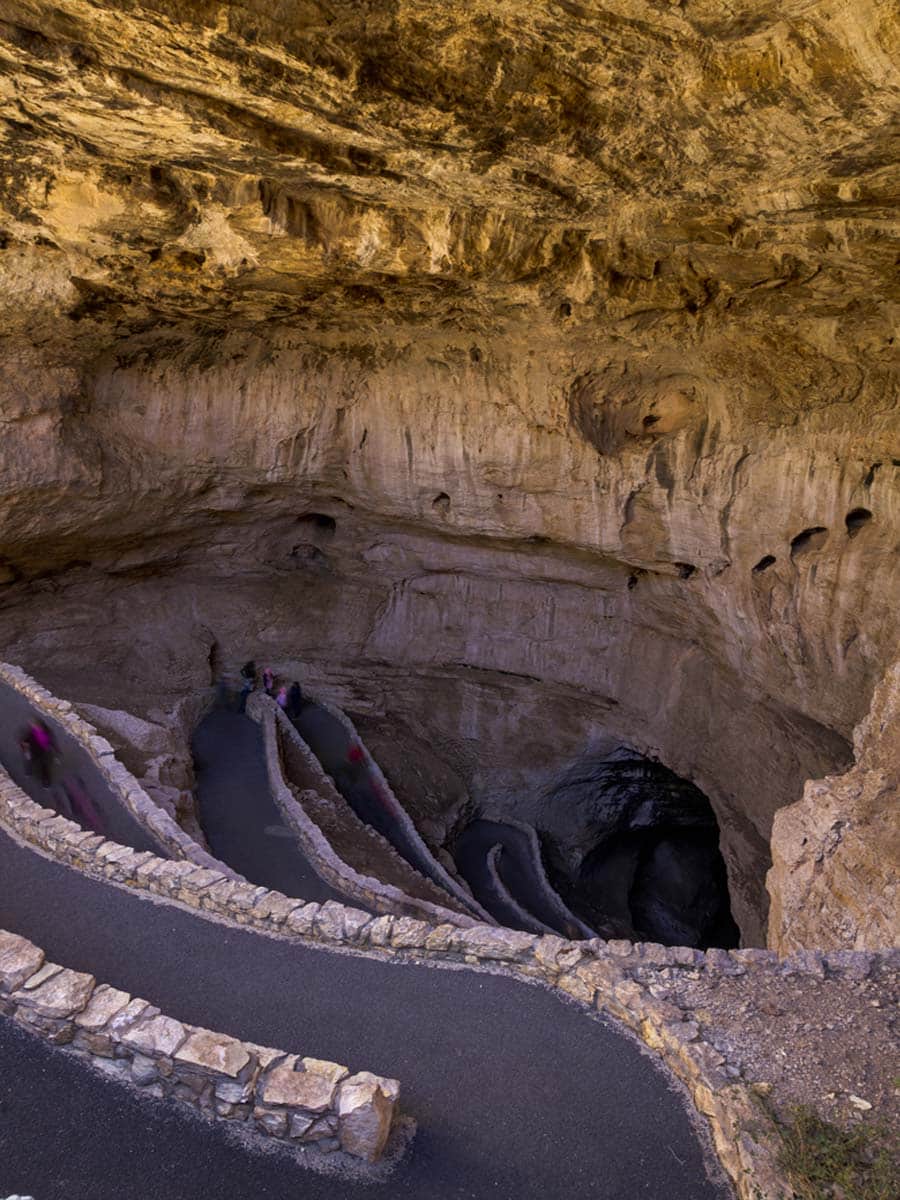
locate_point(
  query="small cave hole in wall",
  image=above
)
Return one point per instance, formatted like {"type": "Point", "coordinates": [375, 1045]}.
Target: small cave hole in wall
{"type": "Point", "coordinates": [320, 525]}
{"type": "Point", "coordinates": [764, 563]}
{"type": "Point", "coordinates": [856, 519]}
{"type": "Point", "coordinates": [650, 420]}
{"type": "Point", "coordinates": [565, 310]}
{"type": "Point", "coordinates": [474, 355]}
{"type": "Point", "coordinates": [441, 502]}
{"type": "Point", "coordinates": [685, 570]}
{"type": "Point", "coordinates": [810, 539]}
{"type": "Point", "coordinates": [634, 850]}
{"type": "Point", "coordinates": [304, 554]}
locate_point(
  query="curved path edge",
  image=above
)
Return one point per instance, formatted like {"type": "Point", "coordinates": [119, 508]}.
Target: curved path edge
{"type": "Point", "coordinates": [303, 1100]}
{"type": "Point", "coordinates": [153, 819]}
{"type": "Point", "coordinates": [428, 863]}
{"type": "Point", "coordinates": [523, 919]}
{"type": "Point", "coordinates": [551, 896]}
{"type": "Point", "coordinates": [614, 978]}
{"type": "Point", "coordinates": [364, 889]}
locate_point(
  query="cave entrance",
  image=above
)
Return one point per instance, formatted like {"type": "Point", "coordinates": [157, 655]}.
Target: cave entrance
{"type": "Point", "coordinates": [634, 850]}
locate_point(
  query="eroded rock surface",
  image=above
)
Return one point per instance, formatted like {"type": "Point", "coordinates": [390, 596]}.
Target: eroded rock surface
{"type": "Point", "coordinates": [834, 878]}
{"type": "Point", "coordinates": [522, 373]}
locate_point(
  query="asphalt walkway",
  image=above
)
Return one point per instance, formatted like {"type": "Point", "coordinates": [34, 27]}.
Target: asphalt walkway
{"type": "Point", "coordinates": [73, 762]}
{"type": "Point", "coordinates": [517, 874]}
{"type": "Point", "coordinates": [241, 822]}
{"type": "Point", "coordinates": [517, 1094]}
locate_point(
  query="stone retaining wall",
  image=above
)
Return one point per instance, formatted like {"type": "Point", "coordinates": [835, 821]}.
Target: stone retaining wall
{"type": "Point", "coordinates": [435, 870]}
{"type": "Point", "coordinates": [365, 889]}
{"type": "Point", "coordinates": [121, 783]}
{"type": "Point", "coordinates": [520, 918]}
{"type": "Point", "coordinates": [551, 896]}
{"type": "Point", "coordinates": [301, 1100]}
{"type": "Point", "coordinates": [632, 982]}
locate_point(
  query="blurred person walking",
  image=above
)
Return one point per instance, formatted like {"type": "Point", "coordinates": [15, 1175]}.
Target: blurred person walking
{"type": "Point", "coordinates": [81, 804]}
{"type": "Point", "coordinates": [248, 683]}
{"type": "Point", "coordinates": [40, 751]}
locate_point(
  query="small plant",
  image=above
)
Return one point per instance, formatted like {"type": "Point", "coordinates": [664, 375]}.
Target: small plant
{"type": "Point", "coordinates": [825, 1162]}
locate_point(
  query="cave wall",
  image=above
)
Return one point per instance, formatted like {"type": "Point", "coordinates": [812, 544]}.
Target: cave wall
{"type": "Point", "coordinates": [492, 578]}
{"type": "Point", "coordinates": [578, 322]}
{"type": "Point", "coordinates": [834, 879]}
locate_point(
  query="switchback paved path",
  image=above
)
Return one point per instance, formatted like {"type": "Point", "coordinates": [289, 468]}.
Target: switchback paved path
{"type": "Point", "coordinates": [236, 809]}
{"type": "Point", "coordinates": [517, 1095]}
{"type": "Point", "coordinates": [516, 873]}
{"type": "Point", "coordinates": [73, 762]}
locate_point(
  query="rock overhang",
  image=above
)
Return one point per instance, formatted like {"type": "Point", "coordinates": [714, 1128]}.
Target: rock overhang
{"type": "Point", "coordinates": [604, 291]}
{"type": "Point", "coordinates": [423, 163]}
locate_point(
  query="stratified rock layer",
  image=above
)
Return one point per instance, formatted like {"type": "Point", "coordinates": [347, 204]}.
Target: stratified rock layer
{"type": "Point", "coordinates": [521, 372]}
{"type": "Point", "coordinates": [834, 879]}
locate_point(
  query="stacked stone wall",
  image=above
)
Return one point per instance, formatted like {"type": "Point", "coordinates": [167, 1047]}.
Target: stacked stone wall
{"type": "Point", "coordinates": [636, 983]}
{"type": "Point", "coordinates": [302, 1100]}
{"type": "Point", "coordinates": [122, 785]}
{"type": "Point", "coordinates": [436, 871]}
{"type": "Point", "coordinates": [367, 890]}
{"type": "Point", "coordinates": [631, 982]}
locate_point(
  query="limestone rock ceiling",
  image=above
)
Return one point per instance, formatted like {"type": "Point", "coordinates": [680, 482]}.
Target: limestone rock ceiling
{"type": "Point", "coordinates": [472, 165]}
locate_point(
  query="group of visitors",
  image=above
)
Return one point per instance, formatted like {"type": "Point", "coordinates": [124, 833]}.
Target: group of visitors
{"type": "Point", "coordinates": [43, 761]}
{"type": "Point", "coordinates": [287, 696]}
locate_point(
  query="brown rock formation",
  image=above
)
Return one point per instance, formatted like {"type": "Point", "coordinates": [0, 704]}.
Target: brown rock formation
{"type": "Point", "coordinates": [524, 372]}
{"type": "Point", "coordinates": [834, 880]}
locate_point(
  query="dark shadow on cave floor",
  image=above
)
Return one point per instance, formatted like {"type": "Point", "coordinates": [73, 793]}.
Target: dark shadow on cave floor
{"type": "Point", "coordinates": [634, 849]}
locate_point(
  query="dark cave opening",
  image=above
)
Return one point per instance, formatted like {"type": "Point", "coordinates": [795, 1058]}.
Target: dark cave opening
{"type": "Point", "coordinates": [633, 849]}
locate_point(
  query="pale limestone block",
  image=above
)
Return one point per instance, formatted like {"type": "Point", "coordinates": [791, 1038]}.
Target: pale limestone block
{"type": "Point", "coordinates": [47, 971]}
{"type": "Point", "coordinates": [355, 923]}
{"type": "Point", "coordinates": [133, 1011]}
{"type": "Point", "coordinates": [19, 960]}
{"type": "Point", "coordinates": [408, 933]}
{"type": "Point", "coordinates": [213, 1052]}
{"type": "Point", "coordinates": [440, 937]}
{"type": "Point", "coordinates": [330, 921]}
{"type": "Point", "coordinates": [547, 949]}
{"type": "Point", "coordinates": [103, 1005]}
{"type": "Point", "coordinates": [365, 1107]}
{"type": "Point", "coordinates": [329, 1070]}
{"type": "Point", "coordinates": [577, 987]}
{"type": "Point", "coordinates": [486, 941]}
{"type": "Point", "coordinates": [380, 930]}
{"type": "Point", "coordinates": [276, 907]}
{"type": "Point", "coordinates": [302, 920]}
{"type": "Point", "coordinates": [298, 1089]}
{"type": "Point", "coordinates": [158, 1036]}
{"type": "Point", "coordinates": [65, 994]}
